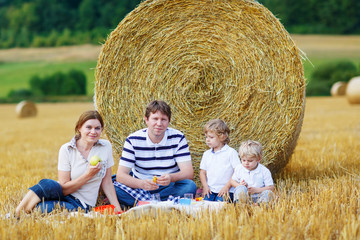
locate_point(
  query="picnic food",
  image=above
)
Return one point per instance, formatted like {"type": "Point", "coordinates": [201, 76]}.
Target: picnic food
{"type": "Point", "coordinates": [94, 160]}
{"type": "Point", "coordinates": [155, 179]}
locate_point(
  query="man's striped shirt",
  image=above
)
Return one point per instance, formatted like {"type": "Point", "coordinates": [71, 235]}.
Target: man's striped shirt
{"type": "Point", "coordinates": [147, 159]}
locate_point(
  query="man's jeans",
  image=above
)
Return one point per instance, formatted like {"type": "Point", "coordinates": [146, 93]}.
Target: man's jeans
{"type": "Point", "coordinates": [51, 194]}
{"type": "Point", "coordinates": [175, 189]}
{"type": "Point", "coordinates": [241, 195]}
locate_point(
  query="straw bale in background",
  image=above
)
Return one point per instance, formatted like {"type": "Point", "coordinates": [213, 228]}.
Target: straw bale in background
{"type": "Point", "coordinates": [338, 89]}
{"type": "Point", "coordinates": [26, 109]}
{"type": "Point", "coordinates": [208, 59]}
{"type": "Point", "coordinates": [353, 91]}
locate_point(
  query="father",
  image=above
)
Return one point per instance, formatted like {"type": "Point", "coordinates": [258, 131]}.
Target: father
{"type": "Point", "coordinates": [154, 151]}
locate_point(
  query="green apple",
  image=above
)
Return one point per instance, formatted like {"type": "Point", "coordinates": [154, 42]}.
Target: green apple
{"type": "Point", "coordinates": [94, 160]}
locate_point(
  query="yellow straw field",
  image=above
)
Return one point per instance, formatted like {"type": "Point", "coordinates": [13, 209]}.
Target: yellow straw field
{"type": "Point", "coordinates": [317, 192]}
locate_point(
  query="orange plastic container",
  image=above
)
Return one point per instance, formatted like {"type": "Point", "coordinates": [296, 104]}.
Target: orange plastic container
{"type": "Point", "coordinates": [106, 209]}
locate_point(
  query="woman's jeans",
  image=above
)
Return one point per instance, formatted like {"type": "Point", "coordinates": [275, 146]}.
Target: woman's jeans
{"type": "Point", "coordinates": [51, 194]}
{"type": "Point", "coordinates": [241, 195]}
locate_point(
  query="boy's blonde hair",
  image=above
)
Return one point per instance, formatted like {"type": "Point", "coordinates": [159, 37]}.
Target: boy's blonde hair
{"type": "Point", "coordinates": [250, 148]}
{"type": "Point", "coordinates": [219, 127]}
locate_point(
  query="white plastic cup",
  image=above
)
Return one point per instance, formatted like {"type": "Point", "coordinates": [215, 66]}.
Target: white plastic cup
{"type": "Point", "coordinates": [155, 197]}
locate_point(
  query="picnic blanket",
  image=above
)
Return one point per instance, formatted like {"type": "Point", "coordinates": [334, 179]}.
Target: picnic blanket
{"type": "Point", "coordinates": [193, 209]}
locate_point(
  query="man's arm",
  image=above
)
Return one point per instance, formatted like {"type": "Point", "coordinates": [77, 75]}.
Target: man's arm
{"type": "Point", "coordinates": [122, 176]}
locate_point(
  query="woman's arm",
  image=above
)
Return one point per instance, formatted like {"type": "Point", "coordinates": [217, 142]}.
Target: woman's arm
{"type": "Point", "coordinates": [109, 190]}
{"type": "Point", "coordinates": [69, 186]}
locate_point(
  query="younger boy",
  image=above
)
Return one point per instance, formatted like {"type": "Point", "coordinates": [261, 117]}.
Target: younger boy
{"type": "Point", "coordinates": [252, 180]}
{"type": "Point", "coordinates": [218, 163]}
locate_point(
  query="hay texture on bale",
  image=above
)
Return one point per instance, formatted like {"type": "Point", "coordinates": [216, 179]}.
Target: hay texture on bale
{"type": "Point", "coordinates": [26, 109]}
{"type": "Point", "coordinates": [353, 90]}
{"type": "Point", "coordinates": [338, 89]}
{"type": "Point", "coordinates": [208, 59]}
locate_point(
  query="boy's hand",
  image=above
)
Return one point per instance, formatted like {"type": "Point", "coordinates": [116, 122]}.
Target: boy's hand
{"type": "Point", "coordinates": [252, 190]}
{"type": "Point", "coordinates": [224, 190]}
{"type": "Point", "coordinates": [206, 191]}
{"type": "Point", "coordinates": [243, 183]}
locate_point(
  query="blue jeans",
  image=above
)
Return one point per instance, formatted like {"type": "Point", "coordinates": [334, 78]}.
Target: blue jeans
{"type": "Point", "coordinates": [50, 192]}
{"type": "Point", "coordinates": [175, 189]}
{"type": "Point", "coordinates": [214, 197]}
{"type": "Point", "coordinates": [241, 195]}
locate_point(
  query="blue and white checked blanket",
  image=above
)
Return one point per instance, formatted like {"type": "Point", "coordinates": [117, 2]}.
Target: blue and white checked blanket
{"type": "Point", "coordinates": [141, 194]}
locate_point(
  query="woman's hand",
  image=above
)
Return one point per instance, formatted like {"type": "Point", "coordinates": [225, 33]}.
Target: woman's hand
{"type": "Point", "coordinates": [118, 210]}
{"type": "Point", "coordinates": [92, 170]}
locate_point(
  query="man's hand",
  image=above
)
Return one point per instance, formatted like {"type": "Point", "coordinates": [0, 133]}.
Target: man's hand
{"type": "Point", "coordinates": [164, 180]}
{"type": "Point", "coordinates": [149, 185]}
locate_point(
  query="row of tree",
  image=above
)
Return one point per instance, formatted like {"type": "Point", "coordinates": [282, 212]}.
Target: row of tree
{"type": "Point", "coordinates": [39, 23]}
{"type": "Point", "coordinates": [27, 23]}
{"type": "Point", "coordinates": [317, 16]}
{"type": "Point", "coordinates": [56, 84]}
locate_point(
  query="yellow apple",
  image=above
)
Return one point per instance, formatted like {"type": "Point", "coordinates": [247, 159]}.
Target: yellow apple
{"type": "Point", "coordinates": [94, 160]}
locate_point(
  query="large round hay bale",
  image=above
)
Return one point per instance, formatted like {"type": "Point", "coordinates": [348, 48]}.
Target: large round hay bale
{"type": "Point", "coordinates": [353, 91]}
{"type": "Point", "coordinates": [208, 59]}
{"type": "Point", "coordinates": [338, 89]}
{"type": "Point", "coordinates": [26, 109]}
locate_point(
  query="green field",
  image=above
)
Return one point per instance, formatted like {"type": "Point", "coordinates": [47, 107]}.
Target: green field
{"type": "Point", "coordinates": [17, 66]}
{"type": "Point", "coordinates": [16, 75]}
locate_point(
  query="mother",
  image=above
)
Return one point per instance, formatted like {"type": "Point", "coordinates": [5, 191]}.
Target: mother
{"type": "Point", "coordinates": [79, 182]}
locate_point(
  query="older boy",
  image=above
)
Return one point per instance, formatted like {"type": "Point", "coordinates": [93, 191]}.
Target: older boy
{"type": "Point", "coordinates": [218, 163]}
{"type": "Point", "coordinates": [251, 179]}
{"type": "Point", "coordinates": [154, 151]}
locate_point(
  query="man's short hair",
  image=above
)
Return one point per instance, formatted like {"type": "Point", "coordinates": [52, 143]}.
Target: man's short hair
{"type": "Point", "coordinates": [158, 105]}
